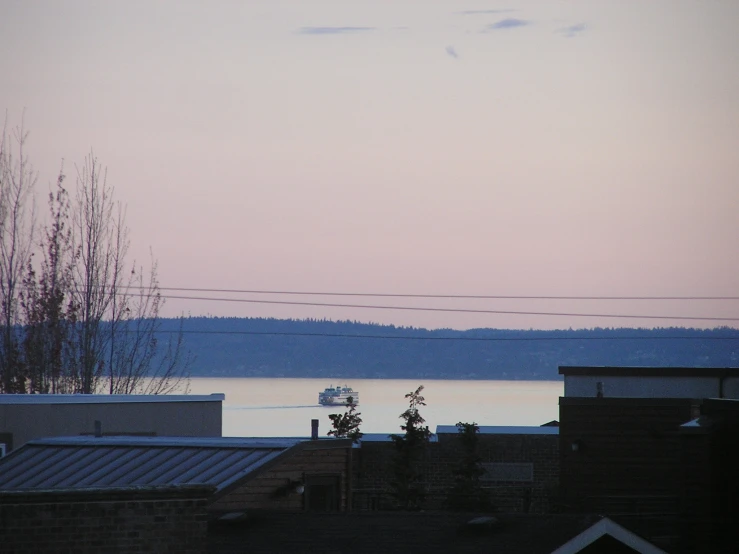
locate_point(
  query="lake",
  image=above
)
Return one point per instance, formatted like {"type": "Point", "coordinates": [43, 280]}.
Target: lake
{"type": "Point", "coordinates": [264, 407]}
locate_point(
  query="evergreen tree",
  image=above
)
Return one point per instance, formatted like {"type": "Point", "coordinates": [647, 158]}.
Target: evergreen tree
{"type": "Point", "coordinates": [408, 487]}
{"type": "Point", "coordinates": [468, 493]}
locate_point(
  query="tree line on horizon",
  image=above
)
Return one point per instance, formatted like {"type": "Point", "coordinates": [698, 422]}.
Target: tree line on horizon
{"type": "Point", "coordinates": [267, 347]}
{"type": "Point", "coordinates": [76, 316]}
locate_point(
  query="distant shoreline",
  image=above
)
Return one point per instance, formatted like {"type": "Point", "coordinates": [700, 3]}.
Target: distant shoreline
{"type": "Point", "coordinates": [323, 349]}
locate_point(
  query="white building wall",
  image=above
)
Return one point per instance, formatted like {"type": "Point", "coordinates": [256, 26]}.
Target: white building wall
{"type": "Point", "coordinates": [33, 418]}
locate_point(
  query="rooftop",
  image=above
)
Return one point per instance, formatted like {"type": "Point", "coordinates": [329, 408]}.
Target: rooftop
{"type": "Point", "coordinates": [185, 442]}
{"type": "Point", "coordinates": [385, 437]}
{"type": "Point", "coordinates": [636, 371]}
{"type": "Point", "coordinates": [365, 532]}
{"type": "Point", "coordinates": [503, 430]}
{"type": "Point", "coordinates": [106, 398]}
{"type": "Point", "coordinates": [106, 462]}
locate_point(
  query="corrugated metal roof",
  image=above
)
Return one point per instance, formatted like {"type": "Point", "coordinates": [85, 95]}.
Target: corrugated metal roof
{"type": "Point", "coordinates": [107, 398]}
{"type": "Point", "coordinates": [85, 462]}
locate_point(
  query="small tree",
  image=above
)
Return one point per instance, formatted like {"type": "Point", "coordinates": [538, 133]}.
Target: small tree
{"type": "Point", "coordinates": [50, 314]}
{"type": "Point", "coordinates": [407, 486]}
{"type": "Point", "coordinates": [346, 425]}
{"type": "Point", "coordinates": [468, 493]}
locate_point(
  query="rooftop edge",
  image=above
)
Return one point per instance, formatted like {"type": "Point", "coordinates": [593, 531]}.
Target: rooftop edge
{"type": "Point", "coordinates": [647, 371]}
{"type": "Point", "coordinates": [36, 399]}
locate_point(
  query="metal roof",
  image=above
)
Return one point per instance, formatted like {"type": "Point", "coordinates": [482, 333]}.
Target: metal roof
{"type": "Point", "coordinates": [107, 398]}
{"type": "Point", "coordinates": [100, 462]}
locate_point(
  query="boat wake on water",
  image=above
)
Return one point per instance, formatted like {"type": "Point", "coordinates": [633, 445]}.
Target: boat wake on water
{"type": "Point", "coordinates": [266, 407]}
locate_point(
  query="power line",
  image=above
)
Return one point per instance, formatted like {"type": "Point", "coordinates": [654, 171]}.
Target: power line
{"type": "Point", "coordinates": [404, 295]}
{"type": "Point", "coordinates": [452, 310]}
{"type": "Point", "coordinates": [470, 339]}
{"type": "Point", "coordinates": [448, 310]}
{"type": "Point", "coordinates": [451, 296]}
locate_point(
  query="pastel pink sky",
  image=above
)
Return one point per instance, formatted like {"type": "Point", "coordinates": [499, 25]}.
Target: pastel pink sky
{"type": "Point", "coordinates": [429, 146]}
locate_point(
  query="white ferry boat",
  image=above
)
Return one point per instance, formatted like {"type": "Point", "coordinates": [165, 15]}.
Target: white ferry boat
{"type": "Point", "coordinates": [335, 396]}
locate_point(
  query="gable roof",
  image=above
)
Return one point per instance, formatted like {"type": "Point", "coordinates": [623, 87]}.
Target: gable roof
{"type": "Point", "coordinates": [368, 532]}
{"type": "Point", "coordinates": [106, 462]}
{"type": "Point", "coordinates": [608, 527]}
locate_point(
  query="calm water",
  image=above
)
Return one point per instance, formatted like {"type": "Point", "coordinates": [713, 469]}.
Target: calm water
{"type": "Point", "coordinates": [284, 407]}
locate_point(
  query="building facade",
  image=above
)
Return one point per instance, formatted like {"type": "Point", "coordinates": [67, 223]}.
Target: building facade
{"type": "Point", "coordinates": [638, 445]}
{"type": "Point", "coordinates": [25, 417]}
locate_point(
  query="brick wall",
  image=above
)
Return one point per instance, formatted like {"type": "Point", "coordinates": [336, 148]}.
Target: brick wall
{"type": "Point", "coordinates": [710, 493]}
{"type": "Point", "coordinates": [628, 456]}
{"type": "Point", "coordinates": [270, 490]}
{"type": "Point", "coordinates": [697, 483]}
{"type": "Point", "coordinates": [144, 519]}
{"type": "Point", "coordinates": [510, 491]}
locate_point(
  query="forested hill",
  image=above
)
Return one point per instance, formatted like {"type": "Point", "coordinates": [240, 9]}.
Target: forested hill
{"type": "Point", "coordinates": [246, 347]}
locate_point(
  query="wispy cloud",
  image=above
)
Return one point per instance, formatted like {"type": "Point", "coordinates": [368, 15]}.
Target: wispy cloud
{"type": "Point", "coordinates": [510, 23]}
{"type": "Point", "coordinates": [572, 30]}
{"type": "Point", "coordinates": [451, 51]}
{"type": "Point", "coordinates": [483, 12]}
{"type": "Point", "coordinates": [332, 30]}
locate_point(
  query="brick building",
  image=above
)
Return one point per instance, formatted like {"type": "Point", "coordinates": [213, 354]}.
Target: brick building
{"type": "Point", "coordinates": [168, 519]}
{"type": "Point", "coordinates": [710, 491]}
{"type": "Point", "coordinates": [427, 532]}
{"type": "Point", "coordinates": [632, 447]}
{"type": "Point", "coordinates": [245, 474]}
{"type": "Point", "coordinates": [521, 468]}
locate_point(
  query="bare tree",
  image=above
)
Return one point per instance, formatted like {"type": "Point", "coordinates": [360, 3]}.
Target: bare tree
{"type": "Point", "coordinates": [138, 364]}
{"type": "Point", "coordinates": [118, 309]}
{"type": "Point", "coordinates": [17, 222]}
{"type": "Point", "coordinates": [77, 318]}
{"type": "Point", "coordinates": [101, 238]}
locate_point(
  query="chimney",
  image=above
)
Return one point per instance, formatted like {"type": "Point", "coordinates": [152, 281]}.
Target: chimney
{"type": "Point", "coordinates": [314, 429]}
{"type": "Point", "coordinates": [98, 428]}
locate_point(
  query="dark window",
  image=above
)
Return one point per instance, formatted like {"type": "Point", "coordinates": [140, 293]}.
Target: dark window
{"type": "Point", "coordinates": [7, 440]}
{"type": "Point", "coordinates": [521, 473]}
{"type": "Point", "coordinates": [322, 493]}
